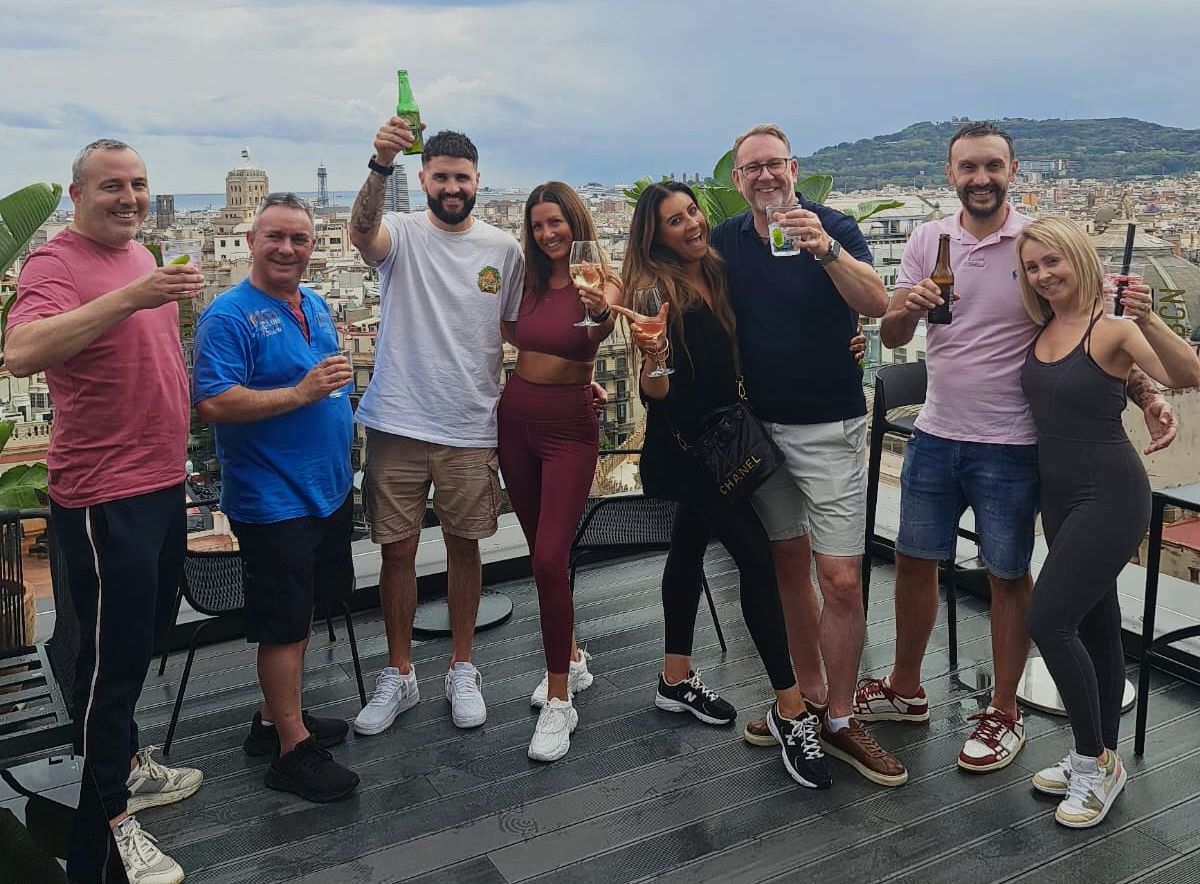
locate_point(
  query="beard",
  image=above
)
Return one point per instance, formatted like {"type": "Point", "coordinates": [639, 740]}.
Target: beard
{"type": "Point", "coordinates": [445, 215]}
{"type": "Point", "coordinates": [999, 195]}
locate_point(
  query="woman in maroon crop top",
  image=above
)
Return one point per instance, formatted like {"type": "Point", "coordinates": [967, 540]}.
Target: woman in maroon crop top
{"type": "Point", "coordinates": [549, 436]}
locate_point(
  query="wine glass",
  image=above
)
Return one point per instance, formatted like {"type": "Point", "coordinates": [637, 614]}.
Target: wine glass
{"type": "Point", "coordinates": [648, 302]}
{"type": "Point", "coordinates": [586, 269]}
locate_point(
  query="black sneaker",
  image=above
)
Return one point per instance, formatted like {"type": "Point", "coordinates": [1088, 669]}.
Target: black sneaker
{"type": "Point", "coordinates": [801, 744]}
{"type": "Point", "coordinates": [690, 695]}
{"type": "Point", "coordinates": [264, 739]}
{"type": "Point", "coordinates": [310, 772]}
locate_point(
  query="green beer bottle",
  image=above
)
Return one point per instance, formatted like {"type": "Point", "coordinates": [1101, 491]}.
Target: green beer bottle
{"type": "Point", "coordinates": [406, 109]}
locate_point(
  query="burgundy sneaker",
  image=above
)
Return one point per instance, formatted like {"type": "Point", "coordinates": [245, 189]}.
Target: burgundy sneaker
{"type": "Point", "coordinates": [874, 700]}
{"type": "Point", "coordinates": [994, 743]}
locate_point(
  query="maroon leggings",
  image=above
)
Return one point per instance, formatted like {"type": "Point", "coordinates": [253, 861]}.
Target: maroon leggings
{"type": "Point", "coordinates": [548, 442]}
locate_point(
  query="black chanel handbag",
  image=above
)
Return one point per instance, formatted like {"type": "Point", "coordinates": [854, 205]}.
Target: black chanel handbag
{"type": "Point", "coordinates": [733, 449]}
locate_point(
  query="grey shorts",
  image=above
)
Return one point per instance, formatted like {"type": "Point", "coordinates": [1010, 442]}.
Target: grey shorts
{"type": "Point", "coordinates": [822, 487]}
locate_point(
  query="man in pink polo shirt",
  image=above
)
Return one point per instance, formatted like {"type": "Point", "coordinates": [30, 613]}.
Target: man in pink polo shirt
{"type": "Point", "coordinates": [95, 314]}
{"type": "Point", "coordinates": [975, 444]}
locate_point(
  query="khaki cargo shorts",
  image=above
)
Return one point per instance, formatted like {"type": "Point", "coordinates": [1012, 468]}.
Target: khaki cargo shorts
{"type": "Point", "coordinates": [396, 480]}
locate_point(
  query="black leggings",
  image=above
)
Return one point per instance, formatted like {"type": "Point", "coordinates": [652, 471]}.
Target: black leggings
{"type": "Point", "coordinates": [740, 531]}
{"type": "Point", "coordinates": [1095, 507]}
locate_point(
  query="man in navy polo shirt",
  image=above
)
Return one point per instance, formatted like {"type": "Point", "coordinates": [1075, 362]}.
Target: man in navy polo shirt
{"type": "Point", "coordinates": [266, 370]}
{"type": "Point", "coordinates": [794, 316]}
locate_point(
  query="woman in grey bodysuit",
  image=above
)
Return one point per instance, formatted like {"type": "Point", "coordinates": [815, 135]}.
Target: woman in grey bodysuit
{"type": "Point", "coordinates": [1095, 496]}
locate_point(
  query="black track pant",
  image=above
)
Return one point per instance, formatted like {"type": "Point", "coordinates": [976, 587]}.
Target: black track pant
{"type": "Point", "coordinates": [740, 531]}
{"type": "Point", "coordinates": [124, 561]}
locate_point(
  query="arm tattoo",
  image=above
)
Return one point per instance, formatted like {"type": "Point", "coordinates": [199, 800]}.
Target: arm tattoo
{"type": "Point", "coordinates": [1140, 388]}
{"type": "Point", "coordinates": [367, 213]}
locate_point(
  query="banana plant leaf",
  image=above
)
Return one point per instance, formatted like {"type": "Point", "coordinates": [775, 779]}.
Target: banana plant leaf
{"type": "Point", "coordinates": [815, 188]}
{"type": "Point", "coordinates": [21, 214]}
{"type": "Point", "coordinates": [23, 486]}
{"type": "Point", "coordinates": [6, 430]}
{"type": "Point", "coordinates": [722, 174]}
{"type": "Point", "coordinates": [865, 210]}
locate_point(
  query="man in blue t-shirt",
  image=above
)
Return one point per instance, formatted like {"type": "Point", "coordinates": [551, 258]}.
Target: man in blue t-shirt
{"type": "Point", "coordinates": [794, 316]}
{"type": "Point", "coordinates": [270, 377]}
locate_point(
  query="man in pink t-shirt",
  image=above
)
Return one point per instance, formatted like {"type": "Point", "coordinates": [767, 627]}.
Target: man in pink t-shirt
{"type": "Point", "coordinates": [975, 443]}
{"type": "Point", "coordinates": [95, 314]}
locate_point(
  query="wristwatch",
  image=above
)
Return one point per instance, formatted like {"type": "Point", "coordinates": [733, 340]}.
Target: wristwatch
{"type": "Point", "coordinates": [835, 249]}
{"type": "Point", "coordinates": [378, 167]}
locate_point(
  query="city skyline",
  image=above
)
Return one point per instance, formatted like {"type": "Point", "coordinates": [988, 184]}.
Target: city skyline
{"type": "Point", "coordinates": [620, 89]}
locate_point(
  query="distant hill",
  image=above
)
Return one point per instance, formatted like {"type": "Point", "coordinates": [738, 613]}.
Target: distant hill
{"type": "Point", "coordinates": [1119, 148]}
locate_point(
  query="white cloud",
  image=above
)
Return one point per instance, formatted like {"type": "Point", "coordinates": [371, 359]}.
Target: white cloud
{"type": "Point", "coordinates": [601, 90]}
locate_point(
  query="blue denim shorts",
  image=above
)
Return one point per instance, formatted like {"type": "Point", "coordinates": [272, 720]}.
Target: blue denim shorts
{"type": "Point", "coordinates": [942, 477]}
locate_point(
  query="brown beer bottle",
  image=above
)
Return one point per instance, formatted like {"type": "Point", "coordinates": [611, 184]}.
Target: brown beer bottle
{"type": "Point", "coordinates": [943, 278]}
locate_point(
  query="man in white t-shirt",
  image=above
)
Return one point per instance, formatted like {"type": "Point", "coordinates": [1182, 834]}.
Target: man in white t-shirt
{"type": "Point", "coordinates": [446, 281]}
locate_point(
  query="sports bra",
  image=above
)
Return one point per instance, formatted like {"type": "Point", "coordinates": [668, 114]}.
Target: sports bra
{"type": "Point", "coordinates": [546, 324]}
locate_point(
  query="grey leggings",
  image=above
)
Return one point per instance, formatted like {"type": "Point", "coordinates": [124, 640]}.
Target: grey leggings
{"type": "Point", "coordinates": [1095, 508]}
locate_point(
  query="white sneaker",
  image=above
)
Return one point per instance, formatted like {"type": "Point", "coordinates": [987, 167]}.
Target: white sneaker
{"type": "Point", "coordinates": [466, 701]}
{"type": "Point", "coordinates": [552, 736]}
{"type": "Point", "coordinates": [578, 679]}
{"type": "Point", "coordinates": [1091, 791]}
{"type": "Point", "coordinates": [1055, 779]}
{"type": "Point", "coordinates": [144, 862]}
{"type": "Point", "coordinates": [393, 694]}
{"type": "Point", "coordinates": [153, 784]}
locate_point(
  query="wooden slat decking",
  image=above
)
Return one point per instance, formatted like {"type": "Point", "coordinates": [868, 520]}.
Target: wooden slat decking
{"type": "Point", "coordinates": [648, 796]}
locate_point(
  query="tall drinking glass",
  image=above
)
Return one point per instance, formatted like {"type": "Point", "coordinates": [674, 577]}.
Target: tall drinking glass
{"type": "Point", "coordinates": [648, 303]}
{"type": "Point", "coordinates": [1115, 282]}
{"type": "Point", "coordinates": [342, 391]}
{"type": "Point", "coordinates": [586, 269]}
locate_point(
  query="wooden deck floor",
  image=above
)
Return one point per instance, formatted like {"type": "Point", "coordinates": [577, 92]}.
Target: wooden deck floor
{"type": "Point", "coordinates": [648, 796]}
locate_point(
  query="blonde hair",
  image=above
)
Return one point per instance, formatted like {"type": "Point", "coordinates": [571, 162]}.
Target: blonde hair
{"type": "Point", "coordinates": [1068, 239]}
{"type": "Point", "coordinates": [761, 129]}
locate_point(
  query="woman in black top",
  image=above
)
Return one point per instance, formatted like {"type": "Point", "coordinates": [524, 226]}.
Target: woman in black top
{"type": "Point", "coordinates": [668, 248]}
{"type": "Point", "coordinates": [1095, 495]}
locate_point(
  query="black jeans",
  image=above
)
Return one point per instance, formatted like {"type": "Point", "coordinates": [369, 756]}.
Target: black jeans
{"type": "Point", "coordinates": [739, 530]}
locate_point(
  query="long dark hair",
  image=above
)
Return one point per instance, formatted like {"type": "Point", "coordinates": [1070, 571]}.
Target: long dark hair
{"type": "Point", "coordinates": [578, 218]}
{"type": "Point", "coordinates": [648, 262]}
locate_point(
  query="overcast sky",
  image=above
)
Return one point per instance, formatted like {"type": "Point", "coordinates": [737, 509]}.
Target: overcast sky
{"type": "Point", "coordinates": [573, 89]}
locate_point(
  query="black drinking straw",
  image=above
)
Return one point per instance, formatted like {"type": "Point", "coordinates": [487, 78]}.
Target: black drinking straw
{"type": "Point", "coordinates": [1126, 260]}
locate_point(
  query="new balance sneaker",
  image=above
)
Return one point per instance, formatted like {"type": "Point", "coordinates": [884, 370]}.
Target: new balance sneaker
{"type": "Point", "coordinates": [874, 700]}
{"type": "Point", "coordinates": [467, 708]}
{"type": "Point", "coordinates": [394, 693]}
{"type": "Point", "coordinates": [552, 736]}
{"type": "Point", "coordinates": [801, 748]}
{"type": "Point", "coordinates": [310, 772]}
{"type": "Point", "coordinates": [153, 784]}
{"type": "Point", "coordinates": [758, 731]}
{"type": "Point", "coordinates": [263, 739]}
{"type": "Point", "coordinates": [578, 679]}
{"type": "Point", "coordinates": [691, 695]}
{"type": "Point", "coordinates": [144, 862]}
{"type": "Point", "coordinates": [994, 743]}
{"type": "Point", "coordinates": [1091, 790]}
{"type": "Point", "coordinates": [1054, 780]}
{"type": "Point", "coordinates": [854, 745]}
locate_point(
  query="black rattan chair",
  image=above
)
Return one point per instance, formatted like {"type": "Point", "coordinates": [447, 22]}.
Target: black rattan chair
{"type": "Point", "coordinates": [900, 386]}
{"type": "Point", "coordinates": [627, 524]}
{"type": "Point", "coordinates": [212, 585]}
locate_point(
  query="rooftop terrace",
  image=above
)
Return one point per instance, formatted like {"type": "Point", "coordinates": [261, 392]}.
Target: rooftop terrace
{"type": "Point", "coordinates": [648, 796]}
